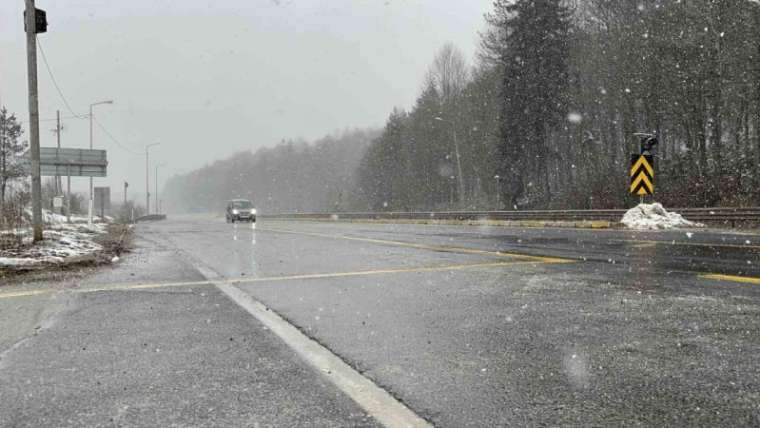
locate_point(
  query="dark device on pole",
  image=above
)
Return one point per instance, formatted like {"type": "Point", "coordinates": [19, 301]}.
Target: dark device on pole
{"type": "Point", "coordinates": [647, 143]}
{"type": "Point", "coordinates": [642, 166]}
{"type": "Point", "coordinates": [40, 21]}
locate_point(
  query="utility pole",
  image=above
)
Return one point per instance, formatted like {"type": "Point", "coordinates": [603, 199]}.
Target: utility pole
{"type": "Point", "coordinates": [34, 117]}
{"type": "Point", "coordinates": [126, 185]}
{"type": "Point", "coordinates": [147, 178]}
{"type": "Point", "coordinates": [89, 205]}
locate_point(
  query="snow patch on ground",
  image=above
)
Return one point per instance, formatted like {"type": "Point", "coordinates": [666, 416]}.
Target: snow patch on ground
{"type": "Point", "coordinates": [655, 216]}
{"type": "Point", "coordinates": [57, 247]}
{"type": "Point", "coordinates": [54, 219]}
{"type": "Point", "coordinates": [62, 241]}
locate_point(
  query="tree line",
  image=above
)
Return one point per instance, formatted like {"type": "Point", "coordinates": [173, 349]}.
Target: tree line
{"type": "Point", "coordinates": [544, 117]}
{"type": "Point", "coordinates": [293, 176]}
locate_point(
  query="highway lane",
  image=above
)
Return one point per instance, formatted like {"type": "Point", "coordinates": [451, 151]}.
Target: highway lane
{"type": "Point", "coordinates": [628, 333]}
{"type": "Point", "coordinates": [104, 350]}
{"type": "Point", "coordinates": [466, 325]}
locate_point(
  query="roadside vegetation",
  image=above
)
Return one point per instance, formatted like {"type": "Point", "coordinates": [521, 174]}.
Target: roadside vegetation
{"type": "Point", "coordinates": [70, 243]}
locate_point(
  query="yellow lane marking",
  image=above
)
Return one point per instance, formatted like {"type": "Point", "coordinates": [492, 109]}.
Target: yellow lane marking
{"type": "Point", "coordinates": [123, 287]}
{"type": "Point", "coordinates": [25, 293]}
{"type": "Point", "coordinates": [686, 244]}
{"type": "Point", "coordinates": [127, 287]}
{"type": "Point", "coordinates": [731, 278]}
{"type": "Point", "coordinates": [439, 248]}
{"type": "Point", "coordinates": [382, 272]}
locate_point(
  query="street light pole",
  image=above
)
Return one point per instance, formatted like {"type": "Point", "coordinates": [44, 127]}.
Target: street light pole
{"type": "Point", "coordinates": [459, 166]}
{"type": "Point", "coordinates": [147, 177]}
{"type": "Point", "coordinates": [155, 178]}
{"type": "Point", "coordinates": [89, 209]}
{"type": "Point", "coordinates": [498, 192]}
{"type": "Point", "coordinates": [460, 176]}
{"type": "Point", "coordinates": [451, 187]}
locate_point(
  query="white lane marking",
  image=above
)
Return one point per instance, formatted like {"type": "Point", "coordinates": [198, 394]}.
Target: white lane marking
{"type": "Point", "coordinates": [374, 400]}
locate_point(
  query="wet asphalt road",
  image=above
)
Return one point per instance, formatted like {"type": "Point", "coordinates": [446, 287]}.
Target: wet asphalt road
{"type": "Point", "coordinates": [466, 325]}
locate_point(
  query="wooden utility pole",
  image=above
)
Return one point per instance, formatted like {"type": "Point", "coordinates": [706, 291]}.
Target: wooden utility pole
{"type": "Point", "coordinates": [34, 117]}
{"type": "Point", "coordinates": [58, 187]}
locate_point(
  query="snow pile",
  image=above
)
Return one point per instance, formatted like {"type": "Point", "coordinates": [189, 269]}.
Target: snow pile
{"type": "Point", "coordinates": [51, 217]}
{"type": "Point", "coordinates": [54, 219]}
{"type": "Point", "coordinates": [654, 216]}
{"type": "Point", "coordinates": [57, 247]}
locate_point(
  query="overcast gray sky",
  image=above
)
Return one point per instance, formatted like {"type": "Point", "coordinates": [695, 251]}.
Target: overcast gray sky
{"type": "Point", "coordinates": [207, 78]}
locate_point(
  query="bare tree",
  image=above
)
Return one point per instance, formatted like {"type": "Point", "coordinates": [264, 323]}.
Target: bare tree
{"type": "Point", "coordinates": [449, 72]}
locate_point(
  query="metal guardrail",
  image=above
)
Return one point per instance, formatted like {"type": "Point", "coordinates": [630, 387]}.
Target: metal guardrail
{"type": "Point", "coordinates": [151, 217]}
{"type": "Point", "coordinates": [724, 215]}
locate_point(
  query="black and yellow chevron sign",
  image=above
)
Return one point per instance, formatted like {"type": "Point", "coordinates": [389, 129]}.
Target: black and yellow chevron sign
{"type": "Point", "coordinates": [642, 175]}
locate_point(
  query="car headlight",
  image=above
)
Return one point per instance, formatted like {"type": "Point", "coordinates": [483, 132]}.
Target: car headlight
{"type": "Point", "coordinates": [235, 211]}
{"type": "Point", "coordinates": [253, 210]}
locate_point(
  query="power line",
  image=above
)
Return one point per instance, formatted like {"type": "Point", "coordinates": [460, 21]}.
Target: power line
{"type": "Point", "coordinates": [122, 146]}
{"type": "Point", "coordinates": [68, 106]}
{"type": "Point", "coordinates": [53, 119]}
{"type": "Point", "coordinates": [55, 83]}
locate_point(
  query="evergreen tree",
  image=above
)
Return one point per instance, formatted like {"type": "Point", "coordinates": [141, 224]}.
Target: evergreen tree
{"type": "Point", "coordinates": [11, 151]}
{"type": "Point", "coordinates": [534, 58]}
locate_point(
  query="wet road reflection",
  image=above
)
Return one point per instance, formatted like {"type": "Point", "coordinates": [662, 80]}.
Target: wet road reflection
{"type": "Point", "coordinates": [242, 260]}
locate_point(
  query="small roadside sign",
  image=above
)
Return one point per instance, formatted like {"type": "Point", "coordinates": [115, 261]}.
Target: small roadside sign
{"type": "Point", "coordinates": [58, 202]}
{"type": "Point", "coordinates": [642, 175]}
{"type": "Point", "coordinates": [102, 199]}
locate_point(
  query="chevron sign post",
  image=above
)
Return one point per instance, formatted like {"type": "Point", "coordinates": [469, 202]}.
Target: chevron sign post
{"type": "Point", "coordinates": [642, 175]}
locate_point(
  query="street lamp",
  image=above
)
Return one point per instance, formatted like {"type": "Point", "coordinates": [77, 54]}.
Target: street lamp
{"type": "Point", "coordinates": [147, 178]}
{"type": "Point", "coordinates": [459, 160]}
{"type": "Point", "coordinates": [155, 178]}
{"type": "Point", "coordinates": [89, 210]}
{"type": "Point", "coordinates": [498, 191]}
{"type": "Point", "coordinates": [451, 187]}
